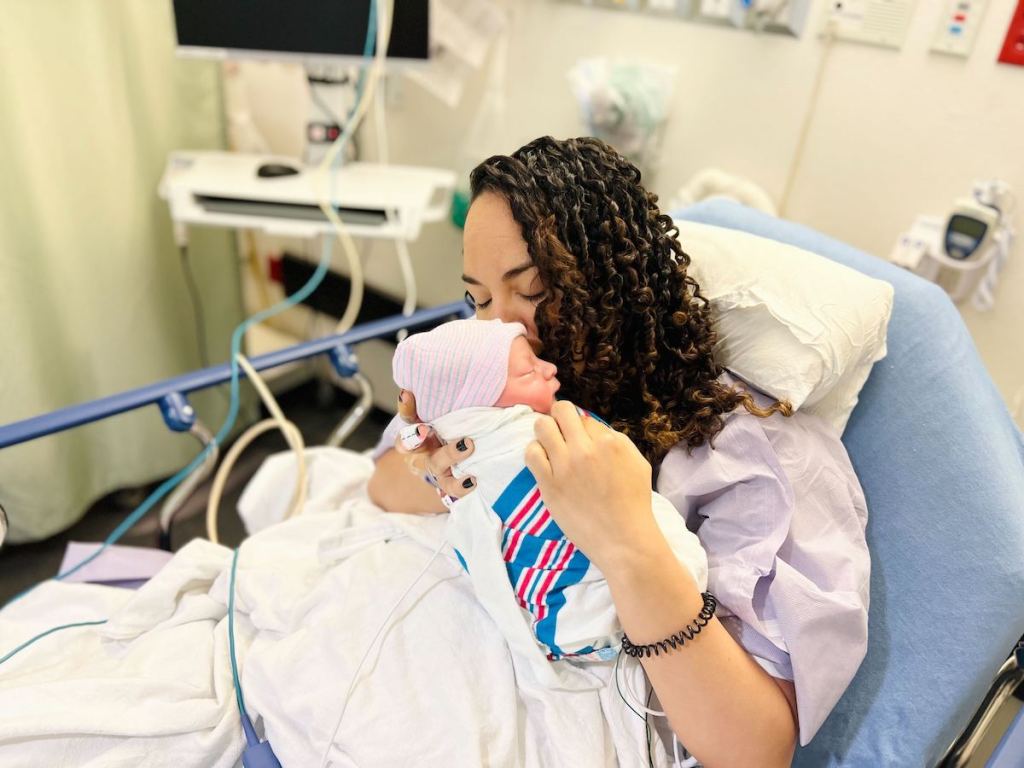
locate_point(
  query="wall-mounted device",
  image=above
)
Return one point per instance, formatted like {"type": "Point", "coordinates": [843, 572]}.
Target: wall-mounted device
{"type": "Point", "coordinates": [958, 27]}
{"type": "Point", "coordinates": [300, 30]}
{"type": "Point", "coordinates": [327, 37]}
{"type": "Point", "coordinates": [785, 16]}
{"type": "Point", "coordinates": [877, 22]}
{"type": "Point", "coordinates": [964, 251]}
{"type": "Point", "coordinates": [969, 230]}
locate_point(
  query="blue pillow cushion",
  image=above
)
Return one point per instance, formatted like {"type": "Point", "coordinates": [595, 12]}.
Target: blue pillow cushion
{"type": "Point", "coordinates": [942, 467]}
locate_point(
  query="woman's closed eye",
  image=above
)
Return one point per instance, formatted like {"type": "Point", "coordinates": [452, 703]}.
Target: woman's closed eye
{"type": "Point", "coordinates": [533, 298]}
{"type": "Point", "coordinates": [474, 304]}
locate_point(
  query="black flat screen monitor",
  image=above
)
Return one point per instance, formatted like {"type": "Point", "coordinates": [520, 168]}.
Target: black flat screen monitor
{"type": "Point", "coordinates": [295, 29]}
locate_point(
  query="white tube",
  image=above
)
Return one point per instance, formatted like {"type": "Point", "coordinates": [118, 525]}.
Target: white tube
{"type": "Point", "coordinates": [380, 123]}
{"type": "Point", "coordinates": [278, 420]}
{"type": "Point", "coordinates": [323, 173]}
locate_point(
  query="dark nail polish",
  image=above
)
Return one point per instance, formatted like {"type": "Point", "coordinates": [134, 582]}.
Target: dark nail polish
{"type": "Point", "coordinates": [461, 445]}
{"type": "Point", "coordinates": [467, 483]}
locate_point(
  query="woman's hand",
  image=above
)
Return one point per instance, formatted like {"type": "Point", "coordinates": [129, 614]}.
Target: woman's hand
{"type": "Point", "coordinates": [425, 454]}
{"type": "Point", "coordinates": [596, 484]}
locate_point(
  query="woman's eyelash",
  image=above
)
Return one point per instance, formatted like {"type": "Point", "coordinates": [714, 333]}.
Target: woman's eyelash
{"type": "Point", "coordinates": [484, 304]}
{"type": "Point", "coordinates": [473, 302]}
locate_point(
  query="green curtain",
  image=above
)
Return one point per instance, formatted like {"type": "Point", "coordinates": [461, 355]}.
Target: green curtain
{"type": "Point", "coordinates": [92, 295]}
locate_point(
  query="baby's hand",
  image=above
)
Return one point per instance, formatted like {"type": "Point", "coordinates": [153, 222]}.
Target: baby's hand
{"type": "Point", "coordinates": [426, 455]}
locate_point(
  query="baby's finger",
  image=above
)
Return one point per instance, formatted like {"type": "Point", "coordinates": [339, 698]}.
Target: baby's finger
{"type": "Point", "coordinates": [407, 407]}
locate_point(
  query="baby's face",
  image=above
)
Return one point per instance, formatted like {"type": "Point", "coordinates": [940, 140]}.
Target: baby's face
{"type": "Point", "coordinates": [531, 381]}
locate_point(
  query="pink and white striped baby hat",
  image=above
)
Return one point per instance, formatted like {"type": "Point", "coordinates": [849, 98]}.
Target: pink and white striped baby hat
{"type": "Point", "coordinates": [460, 364]}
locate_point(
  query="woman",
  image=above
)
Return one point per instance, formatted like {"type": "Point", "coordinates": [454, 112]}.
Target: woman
{"type": "Point", "coordinates": [562, 237]}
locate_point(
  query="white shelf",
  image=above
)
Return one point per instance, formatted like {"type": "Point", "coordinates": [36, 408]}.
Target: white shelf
{"type": "Point", "coordinates": [222, 189]}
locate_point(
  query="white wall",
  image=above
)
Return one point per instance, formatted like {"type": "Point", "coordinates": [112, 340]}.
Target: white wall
{"type": "Point", "coordinates": [894, 134]}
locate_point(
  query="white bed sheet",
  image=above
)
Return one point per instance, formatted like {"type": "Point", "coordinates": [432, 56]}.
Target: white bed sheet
{"type": "Point", "coordinates": [152, 687]}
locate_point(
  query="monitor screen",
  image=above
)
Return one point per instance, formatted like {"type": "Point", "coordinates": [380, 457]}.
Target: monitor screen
{"type": "Point", "coordinates": [302, 28]}
{"type": "Point", "coordinates": [971, 227]}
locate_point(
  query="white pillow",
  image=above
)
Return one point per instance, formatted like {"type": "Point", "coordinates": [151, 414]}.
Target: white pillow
{"type": "Point", "coordinates": [793, 324]}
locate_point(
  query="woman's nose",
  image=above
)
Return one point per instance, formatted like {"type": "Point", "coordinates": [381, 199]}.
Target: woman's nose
{"type": "Point", "coordinates": [505, 312]}
{"type": "Point", "coordinates": [510, 312]}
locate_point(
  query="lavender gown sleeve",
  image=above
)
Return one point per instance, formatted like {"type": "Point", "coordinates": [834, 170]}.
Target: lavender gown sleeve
{"type": "Point", "coordinates": [779, 510]}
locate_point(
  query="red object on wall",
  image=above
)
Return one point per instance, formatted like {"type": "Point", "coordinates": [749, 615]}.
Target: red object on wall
{"type": "Point", "coordinates": [1013, 46]}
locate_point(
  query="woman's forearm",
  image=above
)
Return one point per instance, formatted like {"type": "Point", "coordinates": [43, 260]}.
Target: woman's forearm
{"type": "Point", "coordinates": [724, 707]}
{"type": "Point", "coordinates": [394, 488]}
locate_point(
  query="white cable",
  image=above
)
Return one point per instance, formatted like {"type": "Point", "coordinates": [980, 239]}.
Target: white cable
{"type": "Point", "coordinates": [322, 178]}
{"type": "Point", "coordinates": [366, 653]}
{"type": "Point", "coordinates": [217, 489]}
{"type": "Point", "coordinates": [798, 155]}
{"type": "Point", "coordinates": [408, 276]}
{"type": "Point", "coordinates": [291, 433]}
{"type": "Point", "coordinates": [632, 694]}
{"type": "Point", "coordinates": [380, 123]}
{"type": "Point", "coordinates": [277, 420]}
{"type": "Point", "coordinates": [636, 704]}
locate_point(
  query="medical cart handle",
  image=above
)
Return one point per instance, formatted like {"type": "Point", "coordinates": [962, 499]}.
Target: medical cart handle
{"type": "Point", "coordinates": [95, 410]}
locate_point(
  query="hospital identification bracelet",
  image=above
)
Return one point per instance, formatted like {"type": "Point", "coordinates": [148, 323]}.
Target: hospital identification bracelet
{"type": "Point", "coordinates": [679, 638]}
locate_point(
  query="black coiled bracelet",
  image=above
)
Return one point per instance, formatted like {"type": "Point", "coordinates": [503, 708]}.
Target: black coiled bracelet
{"type": "Point", "coordinates": [679, 638]}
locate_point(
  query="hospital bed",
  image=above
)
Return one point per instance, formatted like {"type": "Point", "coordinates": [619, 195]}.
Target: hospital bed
{"type": "Point", "coordinates": [942, 467]}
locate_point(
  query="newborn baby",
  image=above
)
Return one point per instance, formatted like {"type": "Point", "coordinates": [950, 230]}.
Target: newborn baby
{"type": "Point", "coordinates": [480, 379]}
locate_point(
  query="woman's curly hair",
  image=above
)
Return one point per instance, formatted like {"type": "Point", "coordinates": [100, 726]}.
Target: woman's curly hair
{"type": "Point", "coordinates": [629, 330]}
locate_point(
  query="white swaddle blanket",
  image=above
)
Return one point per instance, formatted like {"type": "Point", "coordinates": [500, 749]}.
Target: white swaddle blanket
{"type": "Point", "coordinates": [547, 598]}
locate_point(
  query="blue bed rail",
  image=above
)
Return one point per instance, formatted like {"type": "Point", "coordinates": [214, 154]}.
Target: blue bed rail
{"type": "Point", "coordinates": [160, 392]}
